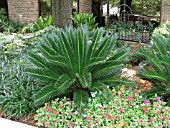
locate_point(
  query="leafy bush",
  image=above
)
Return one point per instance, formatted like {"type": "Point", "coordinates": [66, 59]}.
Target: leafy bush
{"type": "Point", "coordinates": [7, 25]}
{"type": "Point", "coordinates": [158, 57]}
{"type": "Point", "coordinates": [125, 108]}
{"type": "Point", "coordinates": [16, 89]}
{"type": "Point", "coordinates": [162, 30]}
{"type": "Point", "coordinates": [43, 22]}
{"type": "Point", "coordinates": [84, 19]}
{"type": "Point", "coordinates": [76, 61]}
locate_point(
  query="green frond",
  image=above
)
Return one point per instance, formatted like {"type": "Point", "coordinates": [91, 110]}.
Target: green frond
{"type": "Point", "coordinates": [154, 75]}
{"type": "Point", "coordinates": [120, 54]}
{"type": "Point", "coordinates": [80, 97]}
{"type": "Point", "coordinates": [85, 79]}
{"type": "Point", "coordinates": [60, 87]}
{"type": "Point", "coordinates": [106, 68]}
{"type": "Point", "coordinates": [37, 60]}
{"type": "Point", "coordinates": [43, 74]}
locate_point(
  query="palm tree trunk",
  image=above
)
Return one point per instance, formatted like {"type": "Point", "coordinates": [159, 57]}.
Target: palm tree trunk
{"type": "Point", "coordinates": [62, 12]}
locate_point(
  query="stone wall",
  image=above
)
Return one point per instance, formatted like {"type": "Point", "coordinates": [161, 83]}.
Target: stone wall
{"type": "Point", "coordinates": [165, 11]}
{"type": "Point", "coordinates": [85, 6]}
{"type": "Point", "coordinates": [26, 10]}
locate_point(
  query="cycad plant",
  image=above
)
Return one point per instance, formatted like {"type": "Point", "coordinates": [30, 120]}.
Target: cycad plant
{"type": "Point", "coordinates": [75, 63]}
{"type": "Point", "coordinates": [158, 58]}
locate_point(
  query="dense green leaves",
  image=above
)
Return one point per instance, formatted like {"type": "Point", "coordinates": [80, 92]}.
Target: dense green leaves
{"type": "Point", "coordinates": [76, 61]}
{"type": "Point", "coordinates": [159, 59]}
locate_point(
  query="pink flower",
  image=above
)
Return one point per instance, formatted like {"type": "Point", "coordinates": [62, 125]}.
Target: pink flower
{"type": "Point", "coordinates": [55, 121]}
{"type": "Point", "coordinates": [149, 123]}
{"type": "Point", "coordinates": [135, 91]}
{"type": "Point", "coordinates": [153, 105]}
{"type": "Point", "coordinates": [128, 105]}
{"type": "Point", "coordinates": [65, 101]}
{"type": "Point", "coordinates": [140, 121]}
{"type": "Point", "coordinates": [158, 112]}
{"type": "Point", "coordinates": [70, 113]}
{"type": "Point", "coordinates": [70, 124]}
{"type": "Point", "coordinates": [55, 113]}
{"type": "Point", "coordinates": [62, 113]}
{"type": "Point", "coordinates": [130, 89]}
{"type": "Point", "coordinates": [168, 125]}
{"type": "Point", "coordinates": [97, 121]}
{"type": "Point", "coordinates": [121, 109]}
{"type": "Point", "coordinates": [101, 108]}
{"type": "Point", "coordinates": [160, 118]}
{"type": "Point", "coordinates": [61, 107]}
{"type": "Point", "coordinates": [145, 102]}
{"type": "Point", "coordinates": [63, 121]}
{"type": "Point", "coordinates": [47, 124]}
{"type": "Point", "coordinates": [48, 109]}
{"type": "Point", "coordinates": [157, 99]}
{"type": "Point", "coordinates": [108, 108]}
{"type": "Point", "coordinates": [106, 116]}
{"type": "Point", "coordinates": [88, 124]}
{"type": "Point", "coordinates": [118, 117]}
{"type": "Point", "coordinates": [129, 99]}
{"type": "Point", "coordinates": [160, 103]}
{"type": "Point", "coordinates": [145, 110]}
{"type": "Point", "coordinates": [116, 102]}
{"type": "Point", "coordinates": [70, 107]}
{"type": "Point", "coordinates": [164, 117]}
{"type": "Point", "coordinates": [88, 118]}
{"type": "Point", "coordinates": [95, 125]}
{"type": "Point", "coordinates": [151, 119]}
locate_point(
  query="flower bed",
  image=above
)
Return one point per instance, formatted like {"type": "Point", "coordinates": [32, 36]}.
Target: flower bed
{"type": "Point", "coordinates": [124, 107]}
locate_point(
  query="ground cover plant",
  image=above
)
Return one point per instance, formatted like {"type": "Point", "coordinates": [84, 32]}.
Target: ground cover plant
{"type": "Point", "coordinates": [125, 107]}
{"type": "Point", "coordinates": [15, 87]}
{"type": "Point", "coordinates": [76, 62]}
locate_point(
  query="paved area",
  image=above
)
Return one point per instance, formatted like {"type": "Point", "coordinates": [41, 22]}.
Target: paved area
{"type": "Point", "coordinates": [5, 123]}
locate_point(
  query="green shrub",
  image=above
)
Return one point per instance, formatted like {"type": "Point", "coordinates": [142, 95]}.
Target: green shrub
{"type": "Point", "coordinates": [76, 61]}
{"type": "Point", "coordinates": [16, 88]}
{"type": "Point", "coordinates": [158, 57]}
{"type": "Point", "coordinates": [127, 108]}
{"type": "Point", "coordinates": [84, 19]}
{"type": "Point", "coordinates": [43, 22]}
{"type": "Point", "coordinates": [7, 25]}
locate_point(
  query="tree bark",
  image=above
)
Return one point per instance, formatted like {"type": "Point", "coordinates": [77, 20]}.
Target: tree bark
{"type": "Point", "coordinates": [62, 12]}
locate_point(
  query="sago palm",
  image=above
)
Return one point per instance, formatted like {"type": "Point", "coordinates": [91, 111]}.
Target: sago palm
{"type": "Point", "coordinates": [76, 61]}
{"type": "Point", "coordinates": [159, 60]}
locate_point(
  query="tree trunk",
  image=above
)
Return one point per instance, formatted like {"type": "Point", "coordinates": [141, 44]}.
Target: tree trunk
{"type": "Point", "coordinates": [165, 11]}
{"type": "Point", "coordinates": [61, 12]}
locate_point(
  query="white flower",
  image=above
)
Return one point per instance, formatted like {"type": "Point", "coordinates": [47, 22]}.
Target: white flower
{"type": "Point", "coordinates": [137, 106]}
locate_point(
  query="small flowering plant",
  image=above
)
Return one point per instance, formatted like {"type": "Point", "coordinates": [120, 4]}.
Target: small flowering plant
{"type": "Point", "coordinates": [125, 107]}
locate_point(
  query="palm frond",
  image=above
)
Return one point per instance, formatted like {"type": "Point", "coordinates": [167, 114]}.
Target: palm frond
{"type": "Point", "coordinates": [81, 97]}
{"type": "Point", "coordinates": [43, 74]}
{"type": "Point", "coordinates": [62, 84]}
